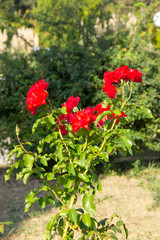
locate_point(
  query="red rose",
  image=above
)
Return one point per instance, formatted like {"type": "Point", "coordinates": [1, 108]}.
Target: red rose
{"type": "Point", "coordinates": [83, 118]}
{"type": "Point", "coordinates": [110, 90]}
{"type": "Point", "coordinates": [100, 109]}
{"type": "Point", "coordinates": [136, 76]}
{"type": "Point", "coordinates": [71, 103]}
{"type": "Point", "coordinates": [126, 73]}
{"type": "Point", "coordinates": [37, 95]}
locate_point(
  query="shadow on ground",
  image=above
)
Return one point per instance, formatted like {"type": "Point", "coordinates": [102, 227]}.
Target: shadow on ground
{"type": "Point", "coordinates": [12, 201]}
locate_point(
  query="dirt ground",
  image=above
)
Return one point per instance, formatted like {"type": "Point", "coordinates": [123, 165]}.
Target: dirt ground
{"type": "Point", "coordinates": [122, 195]}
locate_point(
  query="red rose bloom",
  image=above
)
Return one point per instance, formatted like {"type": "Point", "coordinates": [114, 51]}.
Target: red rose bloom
{"type": "Point", "coordinates": [110, 90]}
{"type": "Point", "coordinates": [37, 95]}
{"type": "Point", "coordinates": [71, 103]}
{"type": "Point", "coordinates": [100, 109]}
{"type": "Point", "coordinates": [82, 119]}
{"type": "Point", "coordinates": [136, 76]}
{"type": "Point", "coordinates": [113, 78]}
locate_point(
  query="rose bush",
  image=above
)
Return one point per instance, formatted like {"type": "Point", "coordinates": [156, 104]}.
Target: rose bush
{"type": "Point", "coordinates": [77, 140]}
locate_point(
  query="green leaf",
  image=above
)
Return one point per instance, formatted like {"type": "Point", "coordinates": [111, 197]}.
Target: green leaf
{"type": "Point", "coordinates": [69, 183]}
{"type": "Point", "coordinates": [42, 202]}
{"type": "Point", "coordinates": [2, 227]}
{"type": "Point", "coordinates": [63, 213]}
{"type": "Point", "coordinates": [26, 176]}
{"type": "Point", "coordinates": [50, 176]}
{"type": "Point", "coordinates": [8, 173]}
{"type": "Point", "coordinates": [126, 230]}
{"type": "Point", "coordinates": [44, 161]}
{"type": "Point", "coordinates": [128, 143]}
{"type": "Point", "coordinates": [35, 125]}
{"type": "Point", "coordinates": [148, 112]}
{"type": "Point", "coordinates": [99, 186]}
{"type": "Point", "coordinates": [104, 155]}
{"type": "Point", "coordinates": [88, 203]}
{"type": "Point", "coordinates": [58, 152]}
{"type": "Point", "coordinates": [119, 224]}
{"type": "Point", "coordinates": [49, 138]}
{"type": "Point", "coordinates": [51, 119]}
{"type": "Point", "coordinates": [83, 176]}
{"type": "Point", "coordinates": [113, 237]}
{"type": "Point", "coordinates": [27, 206]}
{"type": "Point", "coordinates": [12, 152]}
{"type": "Point", "coordinates": [40, 146]}
{"type": "Point", "coordinates": [117, 112]}
{"type": "Point", "coordinates": [78, 162]}
{"type": "Point", "coordinates": [28, 161]}
{"type": "Point", "coordinates": [86, 219]}
{"type": "Point", "coordinates": [94, 224]}
{"type": "Point", "coordinates": [30, 196]}
{"type": "Point", "coordinates": [100, 116]}
{"type": "Point", "coordinates": [71, 169]}
{"type": "Point", "coordinates": [89, 161]}
{"type": "Point", "coordinates": [63, 110]}
{"type": "Point", "coordinates": [72, 214]}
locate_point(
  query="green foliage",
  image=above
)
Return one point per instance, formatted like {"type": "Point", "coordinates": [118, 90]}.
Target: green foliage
{"type": "Point", "coordinates": [78, 57]}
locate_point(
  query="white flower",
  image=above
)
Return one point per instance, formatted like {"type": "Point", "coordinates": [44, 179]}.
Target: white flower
{"type": "Point", "coordinates": [156, 19]}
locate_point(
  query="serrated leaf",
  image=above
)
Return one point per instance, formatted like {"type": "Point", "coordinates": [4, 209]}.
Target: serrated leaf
{"type": "Point", "coordinates": [86, 219]}
{"type": "Point", "coordinates": [88, 203]}
{"type": "Point", "coordinates": [72, 214]}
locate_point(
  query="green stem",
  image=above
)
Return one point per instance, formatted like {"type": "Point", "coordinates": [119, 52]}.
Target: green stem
{"type": "Point", "coordinates": [67, 222]}
{"type": "Point", "coordinates": [124, 103]}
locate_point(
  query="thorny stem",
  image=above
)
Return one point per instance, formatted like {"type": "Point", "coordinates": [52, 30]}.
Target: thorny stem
{"type": "Point", "coordinates": [54, 193]}
{"type": "Point", "coordinates": [49, 105]}
{"type": "Point", "coordinates": [44, 109]}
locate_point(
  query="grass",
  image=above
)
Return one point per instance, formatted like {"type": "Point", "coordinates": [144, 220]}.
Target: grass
{"type": "Point", "coordinates": [127, 189]}
{"type": "Point", "coordinates": [147, 173]}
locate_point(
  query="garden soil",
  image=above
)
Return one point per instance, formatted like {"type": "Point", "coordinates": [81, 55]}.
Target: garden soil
{"type": "Point", "coordinates": [122, 195]}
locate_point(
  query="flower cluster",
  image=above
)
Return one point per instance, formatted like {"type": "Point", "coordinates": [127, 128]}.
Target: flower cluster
{"type": "Point", "coordinates": [83, 118]}
{"type": "Point", "coordinates": [112, 79]}
{"type": "Point", "coordinates": [37, 95]}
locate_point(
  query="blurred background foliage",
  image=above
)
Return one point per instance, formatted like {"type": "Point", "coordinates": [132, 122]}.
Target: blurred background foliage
{"type": "Point", "coordinates": [78, 42]}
